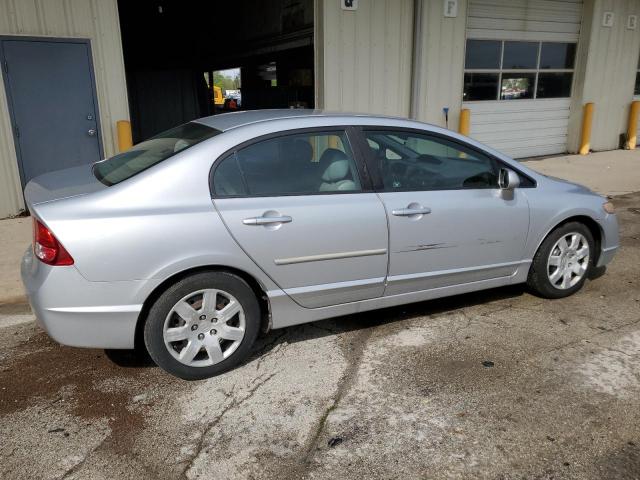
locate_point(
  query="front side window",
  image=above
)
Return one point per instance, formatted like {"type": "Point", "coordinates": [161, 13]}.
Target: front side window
{"type": "Point", "coordinates": [151, 152]}
{"type": "Point", "coordinates": [299, 164]}
{"type": "Point", "coordinates": [516, 70]}
{"type": "Point", "coordinates": [414, 161]}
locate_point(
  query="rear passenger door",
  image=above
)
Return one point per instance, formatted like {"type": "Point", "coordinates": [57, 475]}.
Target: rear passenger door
{"type": "Point", "coordinates": [300, 208]}
{"type": "Point", "coordinates": [449, 222]}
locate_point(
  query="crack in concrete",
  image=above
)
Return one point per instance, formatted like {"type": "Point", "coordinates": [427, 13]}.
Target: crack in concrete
{"type": "Point", "coordinates": [354, 358]}
{"type": "Point", "coordinates": [79, 465]}
{"type": "Point", "coordinates": [268, 349]}
{"type": "Point", "coordinates": [600, 332]}
{"type": "Point", "coordinates": [210, 425]}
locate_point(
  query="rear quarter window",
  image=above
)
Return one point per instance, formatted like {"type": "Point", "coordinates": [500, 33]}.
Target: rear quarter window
{"type": "Point", "coordinates": [146, 154]}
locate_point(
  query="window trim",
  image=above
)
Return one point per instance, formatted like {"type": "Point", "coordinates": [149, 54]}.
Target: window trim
{"type": "Point", "coordinates": [378, 184]}
{"type": "Point", "coordinates": [347, 130]}
{"type": "Point", "coordinates": [499, 71]}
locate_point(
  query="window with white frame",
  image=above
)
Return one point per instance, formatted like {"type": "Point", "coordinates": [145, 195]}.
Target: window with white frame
{"type": "Point", "coordinates": [516, 70]}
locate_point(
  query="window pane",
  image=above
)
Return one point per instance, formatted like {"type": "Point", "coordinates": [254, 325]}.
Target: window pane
{"type": "Point", "coordinates": [227, 179]}
{"type": "Point", "coordinates": [516, 86]}
{"type": "Point", "coordinates": [482, 54]}
{"type": "Point", "coordinates": [150, 152]}
{"type": "Point", "coordinates": [557, 55]}
{"type": "Point", "coordinates": [520, 55]}
{"type": "Point", "coordinates": [480, 86]}
{"type": "Point", "coordinates": [554, 85]}
{"type": "Point", "coordinates": [423, 162]}
{"type": "Point", "coordinates": [299, 164]}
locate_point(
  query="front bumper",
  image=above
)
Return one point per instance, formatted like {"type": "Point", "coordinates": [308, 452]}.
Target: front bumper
{"type": "Point", "coordinates": [610, 239]}
{"type": "Point", "coordinates": [80, 313]}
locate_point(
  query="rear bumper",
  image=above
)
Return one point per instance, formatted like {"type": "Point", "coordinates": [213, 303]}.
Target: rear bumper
{"type": "Point", "coordinates": [80, 313]}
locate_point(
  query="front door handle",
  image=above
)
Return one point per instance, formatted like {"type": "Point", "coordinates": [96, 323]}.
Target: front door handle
{"type": "Point", "coordinates": [410, 211]}
{"type": "Point", "coordinates": [267, 220]}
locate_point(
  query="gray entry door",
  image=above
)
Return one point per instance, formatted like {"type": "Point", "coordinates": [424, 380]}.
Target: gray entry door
{"type": "Point", "coordinates": [52, 102]}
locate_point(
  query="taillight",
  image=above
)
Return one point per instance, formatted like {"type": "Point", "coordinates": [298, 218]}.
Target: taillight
{"type": "Point", "coordinates": [47, 247]}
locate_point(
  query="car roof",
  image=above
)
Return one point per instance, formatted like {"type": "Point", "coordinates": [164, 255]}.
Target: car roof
{"type": "Point", "coordinates": [228, 121]}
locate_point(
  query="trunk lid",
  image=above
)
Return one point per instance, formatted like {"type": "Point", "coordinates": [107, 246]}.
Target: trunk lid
{"type": "Point", "coordinates": [70, 182]}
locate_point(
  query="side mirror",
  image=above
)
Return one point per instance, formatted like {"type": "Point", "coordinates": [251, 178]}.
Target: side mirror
{"type": "Point", "coordinates": [508, 179]}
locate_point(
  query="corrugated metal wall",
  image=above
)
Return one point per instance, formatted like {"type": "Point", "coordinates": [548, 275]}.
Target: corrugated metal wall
{"type": "Point", "coordinates": [439, 63]}
{"type": "Point", "coordinates": [366, 64]}
{"type": "Point", "coordinates": [93, 19]}
{"type": "Point", "coordinates": [608, 59]}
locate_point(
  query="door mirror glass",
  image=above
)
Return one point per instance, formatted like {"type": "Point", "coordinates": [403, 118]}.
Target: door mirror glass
{"type": "Point", "coordinates": [508, 179]}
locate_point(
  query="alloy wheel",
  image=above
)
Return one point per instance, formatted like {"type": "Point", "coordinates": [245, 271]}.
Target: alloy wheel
{"type": "Point", "coordinates": [204, 327]}
{"type": "Point", "coordinates": [568, 260]}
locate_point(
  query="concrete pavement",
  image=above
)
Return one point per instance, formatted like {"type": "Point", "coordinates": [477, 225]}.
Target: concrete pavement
{"type": "Point", "coordinates": [609, 173]}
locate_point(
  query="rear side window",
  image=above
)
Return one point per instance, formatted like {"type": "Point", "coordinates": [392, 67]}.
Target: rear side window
{"type": "Point", "coordinates": [299, 164]}
{"type": "Point", "coordinates": [151, 152]}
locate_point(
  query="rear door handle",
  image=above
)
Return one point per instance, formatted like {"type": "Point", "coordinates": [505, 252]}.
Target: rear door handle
{"type": "Point", "coordinates": [267, 220]}
{"type": "Point", "coordinates": [407, 212]}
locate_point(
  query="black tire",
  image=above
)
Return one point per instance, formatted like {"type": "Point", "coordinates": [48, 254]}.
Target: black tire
{"type": "Point", "coordinates": [154, 325]}
{"type": "Point", "coordinates": [538, 280]}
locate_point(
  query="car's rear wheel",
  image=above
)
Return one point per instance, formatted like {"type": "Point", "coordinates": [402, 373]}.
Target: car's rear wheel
{"type": "Point", "coordinates": [563, 261]}
{"type": "Point", "coordinates": [203, 325]}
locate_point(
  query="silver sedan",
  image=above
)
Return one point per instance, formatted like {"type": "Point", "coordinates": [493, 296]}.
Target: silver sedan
{"type": "Point", "coordinates": [195, 241]}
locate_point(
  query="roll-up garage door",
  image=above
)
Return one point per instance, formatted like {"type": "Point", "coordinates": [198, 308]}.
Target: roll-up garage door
{"type": "Point", "coordinates": [519, 66]}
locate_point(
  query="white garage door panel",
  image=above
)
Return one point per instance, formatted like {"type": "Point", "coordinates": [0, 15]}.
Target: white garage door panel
{"type": "Point", "coordinates": [525, 152]}
{"type": "Point", "coordinates": [521, 127]}
{"type": "Point", "coordinates": [529, 25]}
{"type": "Point", "coordinates": [522, 131]}
{"type": "Point", "coordinates": [525, 19]}
{"type": "Point", "coordinates": [568, 12]}
{"type": "Point", "coordinates": [556, 124]}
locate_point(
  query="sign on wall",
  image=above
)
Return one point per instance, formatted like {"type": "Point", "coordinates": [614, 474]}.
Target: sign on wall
{"type": "Point", "coordinates": [349, 4]}
{"type": "Point", "coordinates": [450, 8]}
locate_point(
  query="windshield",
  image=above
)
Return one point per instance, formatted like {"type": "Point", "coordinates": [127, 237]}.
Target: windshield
{"type": "Point", "coordinates": [150, 152]}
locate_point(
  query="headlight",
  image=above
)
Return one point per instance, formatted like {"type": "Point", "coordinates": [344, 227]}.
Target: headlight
{"type": "Point", "coordinates": [608, 207]}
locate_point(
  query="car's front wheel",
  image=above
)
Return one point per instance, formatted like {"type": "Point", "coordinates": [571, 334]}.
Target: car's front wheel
{"type": "Point", "coordinates": [203, 325]}
{"type": "Point", "coordinates": [563, 261]}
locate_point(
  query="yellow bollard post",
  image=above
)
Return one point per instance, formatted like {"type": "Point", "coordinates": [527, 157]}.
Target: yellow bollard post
{"type": "Point", "coordinates": [464, 126]}
{"type": "Point", "coordinates": [632, 128]}
{"type": "Point", "coordinates": [125, 140]}
{"type": "Point", "coordinates": [587, 120]}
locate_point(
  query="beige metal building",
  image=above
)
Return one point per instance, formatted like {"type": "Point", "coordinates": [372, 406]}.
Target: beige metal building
{"type": "Point", "coordinates": [523, 68]}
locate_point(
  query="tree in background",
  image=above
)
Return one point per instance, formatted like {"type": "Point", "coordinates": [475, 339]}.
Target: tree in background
{"type": "Point", "coordinates": [227, 79]}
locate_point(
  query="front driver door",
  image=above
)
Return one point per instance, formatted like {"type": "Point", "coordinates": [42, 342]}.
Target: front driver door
{"type": "Point", "coordinates": [449, 222]}
{"type": "Point", "coordinates": [297, 206]}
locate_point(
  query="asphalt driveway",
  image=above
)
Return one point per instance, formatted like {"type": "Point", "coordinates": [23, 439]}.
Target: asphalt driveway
{"type": "Point", "coordinates": [497, 384]}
